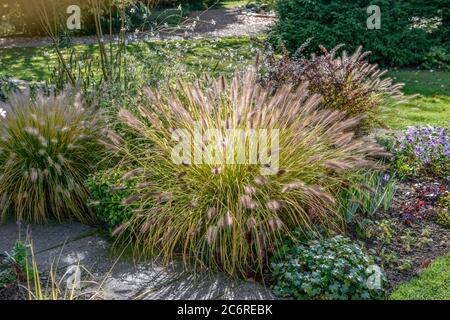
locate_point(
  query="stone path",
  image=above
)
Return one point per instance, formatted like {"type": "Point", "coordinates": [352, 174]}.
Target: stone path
{"type": "Point", "coordinates": [226, 23]}
{"type": "Point", "coordinates": [71, 244]}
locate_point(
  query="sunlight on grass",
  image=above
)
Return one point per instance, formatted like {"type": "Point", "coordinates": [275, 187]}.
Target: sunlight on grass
{"type": "Point", "coordinates": [418, 111]}
{"type": "Point", "coordinates": [431, 107]}
{"type": "Point", "coordinates": [433, 283]}
{"type": "Point", "coordinates": [233, 3]}
{"type": "Point", "coordinates": [221, 55]}
{"type": "Point", "coordinates": [217, 55]}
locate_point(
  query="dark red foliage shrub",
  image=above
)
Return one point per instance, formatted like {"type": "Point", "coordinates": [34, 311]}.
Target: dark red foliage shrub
{"type": "Point", "coordinates": [347, 83]}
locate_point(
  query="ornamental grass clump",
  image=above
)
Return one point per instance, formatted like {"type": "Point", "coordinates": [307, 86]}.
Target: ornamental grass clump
{"type": "Point", "coordinates": [231, 216]}
{"type": "Point", "coordinates": [48, 146]}
{"type": "Point", "coordinates": [347, 83]}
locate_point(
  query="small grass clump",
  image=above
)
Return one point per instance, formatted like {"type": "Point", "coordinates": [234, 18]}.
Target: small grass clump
{"type": "Point", "coordinates": [227, 214]}
{"type": "Point", "coordinates": [48, 146]}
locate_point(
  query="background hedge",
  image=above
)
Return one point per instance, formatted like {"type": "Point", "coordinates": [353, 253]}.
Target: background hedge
{"type": "Point", "coordinates": [400, 41]}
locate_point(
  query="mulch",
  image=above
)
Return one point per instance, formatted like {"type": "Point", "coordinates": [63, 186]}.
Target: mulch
{"type": "Point", "coordinates": [416, 238]}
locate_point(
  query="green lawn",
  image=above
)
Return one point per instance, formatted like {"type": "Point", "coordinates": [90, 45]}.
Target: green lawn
{"type": "Point", "coordinates": [433, 283]}
{"type": "Point", "coordinates": [233, 3]}
{"type": "Point", "coordinates": [198, 56]}
{"type": "Point", "coordinates": [431, 107]}
{"type": "Point", "coordinates": [215, 56]}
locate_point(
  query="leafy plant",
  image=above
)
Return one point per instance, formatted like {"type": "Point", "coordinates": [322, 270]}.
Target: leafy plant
{"type": "Point", "coordinates": [437, 58]}
{"type": "Point", "coordinates": [443, 218]}
{"type": "Point", "coordinates": [347, 83]}
{"type": "Point", "coordinates": [408, 240]}
{"type": "Point", "coordinates": [427, 196]}
{"type": "Point", "coordinates": [108, 191]}
{"type": "Point", "coordinates": [327, 269]}
{"type": "Point", "coordinates": [408, 28]}
{"type": "Point", "coordinates": [366, 194]}
{"type": "Point", "coordinates": [48, 148]}
{"type": "Point", "coordinates": [423, 150]}
{"type": "Point", "coordinates": [13, 265]}
{"type": "Point", "coordinates": [227, 215]}
{"type": "Point", "coordinates": [405, 265]}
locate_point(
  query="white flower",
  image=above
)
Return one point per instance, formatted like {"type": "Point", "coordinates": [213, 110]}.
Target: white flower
{"type": "Point", "coordinates": [46, 54]}
{"type": "Point", "coordinates": [213, 22]}
{"type": "Point", "coordinates": [132, 10]}
{"type": "Point", "coordinates": [2, 113]}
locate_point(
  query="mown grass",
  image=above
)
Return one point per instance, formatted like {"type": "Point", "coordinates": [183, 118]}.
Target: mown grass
{"type": "Point", "coordinates": [432, 283]}
{"type": "Point", "coordinates": [432, 106]}
{"type": "Point", "coordinates": [232, 3]}
{"type": "Point", "coordinates": [216, 56]}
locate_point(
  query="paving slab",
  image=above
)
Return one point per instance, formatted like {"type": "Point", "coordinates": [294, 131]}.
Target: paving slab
{"type": "Point", "coordinates": [45, 236]}
{"type": "Point", "coordinates": [64, 247]}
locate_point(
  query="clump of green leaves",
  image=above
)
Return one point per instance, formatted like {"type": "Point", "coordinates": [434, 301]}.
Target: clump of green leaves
{"type": "Point", "coordinates": [48, 147]}
{"type": "Point", "coordinates": [13, 265]}
{"type": "Point", "coordinates": [333, 268]}
{"type": "Point", "coordinates": [108, 191]}
{"type": "Point", "coordinates": [443, 218]}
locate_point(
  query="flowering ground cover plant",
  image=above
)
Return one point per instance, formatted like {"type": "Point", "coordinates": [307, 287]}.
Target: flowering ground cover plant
{"type": "Point", "coordinates": [424, 150]}
{"type": "Point", "coordinates": [334, 268]}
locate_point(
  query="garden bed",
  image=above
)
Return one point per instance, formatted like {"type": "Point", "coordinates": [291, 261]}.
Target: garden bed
{"type": "Point", "coordinates": [406, 246]}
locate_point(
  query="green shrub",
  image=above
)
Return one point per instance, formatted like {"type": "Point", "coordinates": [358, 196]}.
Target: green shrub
{"type": "Point", "coordinates": [108, 190]}
{"type": "Point", "coordinates": [437, 58]}
{"type": "Point", "coordinates": [14, 265]}
{"type": "Point", "coordinates": [408, 28]}
{"type": "Point", "coordinates": [230, 216]}
{"type": "Point", "coordinates": [329, 269]}
{"type": "Point", "coordinates": [48, 147]}
{"type": "Point", "coordinates": [346, 83]}
{"type": "Point", "coordinates": [443, 217]}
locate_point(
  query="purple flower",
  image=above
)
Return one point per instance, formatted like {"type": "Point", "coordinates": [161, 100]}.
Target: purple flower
{"type": "Point", "coordinates": [386, 177]}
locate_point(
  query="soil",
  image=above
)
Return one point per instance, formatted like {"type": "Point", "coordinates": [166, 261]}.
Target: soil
{"type": "Point", "coordinates": [8, 291]}
{"type": "Point", "coordinates": [11, 292]}
{"type": "Point", "coordinates": [416, 239]}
